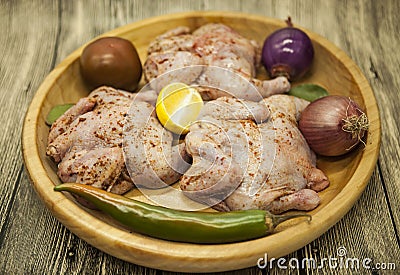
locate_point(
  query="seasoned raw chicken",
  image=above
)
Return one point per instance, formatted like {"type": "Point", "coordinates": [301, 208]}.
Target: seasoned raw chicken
{"type": "Point", "coordinates": [252, 166]}
{"type": "Point", "coordinates": [87, 141]}
{"type": "Point", "coordinates": [219, 145]}
{"type": "Point", "coordinates": [214, 45]}
{"type": "Point", "coordinates": [151, 159]}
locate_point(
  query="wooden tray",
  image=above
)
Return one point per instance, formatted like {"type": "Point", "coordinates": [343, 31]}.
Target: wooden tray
{"type": "Point", "coordinates": [349, 175]}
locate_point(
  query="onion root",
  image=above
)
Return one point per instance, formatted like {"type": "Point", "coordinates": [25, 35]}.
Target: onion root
{"type": "Point", "coordinates": [355, 125]}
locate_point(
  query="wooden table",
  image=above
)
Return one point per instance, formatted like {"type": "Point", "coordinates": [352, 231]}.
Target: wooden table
{"type": "Point", "coordinates": [37, 35]}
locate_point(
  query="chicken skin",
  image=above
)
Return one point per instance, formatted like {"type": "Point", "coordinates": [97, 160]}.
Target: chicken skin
{"type": "Point", "coordinates": [208, 47]}
{"type": "Point", "coordinates": [252, 163]}
{"type": "Point", "coordinates": [151, 159]}
{"type": "Point", "coordinates": [87, 142]}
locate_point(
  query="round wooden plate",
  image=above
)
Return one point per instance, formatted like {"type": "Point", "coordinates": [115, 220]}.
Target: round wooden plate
{"type": "Point", "coordinates": [349, 175]}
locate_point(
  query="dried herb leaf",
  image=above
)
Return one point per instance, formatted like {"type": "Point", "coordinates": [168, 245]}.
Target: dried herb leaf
{"type": "Point", "coordinates": [56, 112]}
{"type": "Point", "coordinates": [309, 92]}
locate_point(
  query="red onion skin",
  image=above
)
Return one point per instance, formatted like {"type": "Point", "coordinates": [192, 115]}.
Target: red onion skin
{"type": "Point", "coordinates": [321, 124]}
{"type": "Point", "coordinates": [289, 52]}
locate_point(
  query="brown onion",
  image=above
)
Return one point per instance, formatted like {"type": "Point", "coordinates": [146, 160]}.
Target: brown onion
{"type": "Point", "coordinates": [333, 125]}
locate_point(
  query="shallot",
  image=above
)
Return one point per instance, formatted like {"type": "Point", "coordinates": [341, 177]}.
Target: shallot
{"type": "Point", "coordinates": [333, 125]}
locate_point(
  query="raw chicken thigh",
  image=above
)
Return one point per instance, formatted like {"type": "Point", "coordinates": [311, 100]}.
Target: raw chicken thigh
{"type": "Point", "coordinates": [239, 164]}
{"type": "Point", "coordinates": [216, 46]}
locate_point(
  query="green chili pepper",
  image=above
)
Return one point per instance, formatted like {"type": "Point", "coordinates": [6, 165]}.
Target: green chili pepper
{"type": "Point", "coordinates": [176, 225]}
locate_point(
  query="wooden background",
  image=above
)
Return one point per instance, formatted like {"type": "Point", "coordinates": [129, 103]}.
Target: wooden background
{"type": "Point", "coordinates": [37, 35]}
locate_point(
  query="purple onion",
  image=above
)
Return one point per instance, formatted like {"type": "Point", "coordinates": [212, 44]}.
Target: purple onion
{"type": "Point", "coordinates": [288, 52]}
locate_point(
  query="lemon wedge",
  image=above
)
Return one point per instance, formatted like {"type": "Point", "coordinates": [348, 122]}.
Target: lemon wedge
{"type": "Point", "coordinates": [178, 106]}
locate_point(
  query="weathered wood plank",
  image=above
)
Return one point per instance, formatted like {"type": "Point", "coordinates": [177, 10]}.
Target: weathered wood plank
{"type": "Point", "coordinates": [380, 61]}
{"type": "Point", "coordinates": [39, 34]}
{"type": "Point", "coordinates": [364, 233]}
{"type": "Point", "coordinates": [27, 57]}
{"type": "Point", "coordinates": [23, 49]}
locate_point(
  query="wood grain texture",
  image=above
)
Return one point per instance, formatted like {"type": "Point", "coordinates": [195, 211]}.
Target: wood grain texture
{"type": "Point", "coordinates": [348, 176]}
{"type": "Point", "coordinates": [39, 34]}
